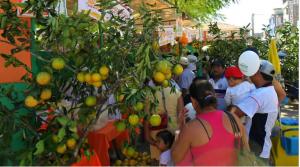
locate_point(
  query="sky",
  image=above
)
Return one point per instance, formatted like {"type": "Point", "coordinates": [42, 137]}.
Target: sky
{"type": "Point", "coordinates": [240, 13]}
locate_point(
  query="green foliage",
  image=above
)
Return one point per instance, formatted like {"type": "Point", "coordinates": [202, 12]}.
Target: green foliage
{"type": "Point", "coordinates": [200, 9]}
{"type": "Point", "coordinates": [288, 41]}
{"type": "Point", "coordinates": [229, 48]}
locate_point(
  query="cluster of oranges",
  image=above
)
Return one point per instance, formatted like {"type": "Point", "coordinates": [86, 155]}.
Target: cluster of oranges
{"type": "Point", "coordinates": [164, 72]}
{"type": "Point", "coordinates": [43, 79]}
{"type": "Point", "coordinates": [133, 158]}
{"type": "Point", "coordinates": [94, 78]}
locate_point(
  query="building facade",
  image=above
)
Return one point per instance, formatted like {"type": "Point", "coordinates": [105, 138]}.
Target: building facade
{"type": "Point", "coordinates": [291, 11]}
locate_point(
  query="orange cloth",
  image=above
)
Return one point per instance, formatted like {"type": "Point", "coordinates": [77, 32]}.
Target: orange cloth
{"type": "Point", "coordinates": [13, 74]}
{"type": "Point", "coordinates": [93, 161]}
{"type": "Point", "coordinates": [100, 140]}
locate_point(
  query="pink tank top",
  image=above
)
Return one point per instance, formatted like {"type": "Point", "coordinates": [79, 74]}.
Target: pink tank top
{"type": "Point", "coordinates": [219, 151]}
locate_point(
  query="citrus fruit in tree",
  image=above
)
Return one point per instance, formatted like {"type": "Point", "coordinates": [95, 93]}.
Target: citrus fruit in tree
{"type": "Point", "coordinates": [61, 148]}
{"type": "Point", "coordinates": [139, 106]}
{"type": "Point", "coordinates": [97, 84]}
{"type": "Point", "coordinates": [104, 70]}
{"type": "Point", "coordinates": [165, 83]}
{"type": "Point", "coordinates": [118, 162]}
{"type": "Point", "coordinates": [178, 69]}
{"type": "Point", "coordinates": [104, 77]}
{"type": "Point", "coordinates": [164, 67]}
{"type": "Point", "coordinates": [124, 151]}
{"type": "Point", "coordinates": [155, 120]}
{"type": "Point", "coordinates": [88, 77]}
{"type": "Point", "coordinates": [132, 162]}
{"type": "Point", "coordinates": [58, 63]}
{"type": "Point", "coordinates": [71, 143]}
{"type": "Point", "coordinates": [130, 151]}
{"type": "Point", "coordinates": [90, 101]}
{"type": "Point", "coordinates": [159, 77]}
{"type": "Point", "coordinates": [81, 77]}
{"type": "Point", "coordinates": [43, 78]}
{"type": "Point", "coordinates": [133, 119]}
{"type": "Point", "coordinates": [168, 76]}
{"type": "Point", "coordinates": [46, 94]}
{"type": "Point", "coordinates": [120, 98]}
{"type": "Point", "coordinates": [96, 77]}
{"type": "Point", "coordinates": [30, 101]}
{"type": "Point", "coordinates": [121, 126]}
{"type": "Point", "coordinates": [55, 138]}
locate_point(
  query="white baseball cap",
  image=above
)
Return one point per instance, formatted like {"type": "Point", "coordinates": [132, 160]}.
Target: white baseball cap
{"type": "Point", "coordinates": [184, 61]}
{"type": "Point", "coordinates": [192, 58]}
{"type": "Point", "coordinates": [267, 68]}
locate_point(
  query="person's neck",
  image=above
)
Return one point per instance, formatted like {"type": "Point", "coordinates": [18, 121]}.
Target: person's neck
{"type": "Point", "coordinates": [261, 83]}
{"type": "Point", "coordinates": [216, 78]}
{"type": "Point", "coordinates": [206, 109]}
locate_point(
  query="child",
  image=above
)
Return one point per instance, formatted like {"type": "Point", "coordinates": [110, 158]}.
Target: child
{"type": "Point", "coordinates": [165, 140]}
{"type": "Point", "coordinates": [238, 87]}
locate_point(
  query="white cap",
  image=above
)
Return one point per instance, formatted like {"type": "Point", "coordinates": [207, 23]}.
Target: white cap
{"type": "Point", "coordinates": [184, 61]}
{"type": "Point", "coordinates": [266, 67]}
{"type": "Point", "coordinates": [192, 58]}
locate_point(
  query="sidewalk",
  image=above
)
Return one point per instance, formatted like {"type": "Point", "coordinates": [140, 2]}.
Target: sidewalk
{"type": "Point", "coordinates": [290, 110]}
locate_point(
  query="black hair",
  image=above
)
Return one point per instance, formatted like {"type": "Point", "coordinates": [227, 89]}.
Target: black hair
{"type": "Point", "coordinates": [167, 137]}
{"type": "Point", "coordinates": [218, 62]}
{"type": "Point", "coordinates": [203, 92]}
{"type": "Point", "coordinates": [196, 54]}
{"type": "Point", "coordinates": [267, 77]}
{"type": "Point", "coordinates": [252, 49]}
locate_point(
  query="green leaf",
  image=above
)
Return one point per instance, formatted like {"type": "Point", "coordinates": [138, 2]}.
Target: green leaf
{"type": "Point", "coordinates": [22, 112]}
{"type": "Point", "coordinates": [72, 127]}
{"type": "Point", "coordinates": [17, 143]}
{"type": "Point", "coordinates": [62, 120]}
{"type": "Point", "coordinates": [40, 147]}
{"type": "Point", "coordinates": [61, 134]}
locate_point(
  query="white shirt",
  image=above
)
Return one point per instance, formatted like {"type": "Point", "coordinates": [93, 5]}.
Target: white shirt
{"type": "Point", "coordinates": [236, 94]}
{"type": "Point", "coordinates": [191, 114]}
{"type": "Point", "coordinates": [186, 78]}
{"type": "Point", "coordinates": [165, 158]}
{"type": "Point", "coordinates": [220, 87]}
{"type": "Point", "coordinates": [262, 107]}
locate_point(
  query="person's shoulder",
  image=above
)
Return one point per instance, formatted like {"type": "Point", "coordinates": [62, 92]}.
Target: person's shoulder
{"type": "Point", "coordinates": [263, 93]}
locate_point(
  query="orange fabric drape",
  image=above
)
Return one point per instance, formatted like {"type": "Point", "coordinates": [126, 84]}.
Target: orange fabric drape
{"type": "Point", "coordinates": [100, 141]}
{"type": "Point", "coordinates": [14, 74]}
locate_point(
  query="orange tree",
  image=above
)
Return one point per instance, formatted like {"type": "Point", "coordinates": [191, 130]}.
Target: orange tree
{"type": "Point", "coordinates": [88, 61]}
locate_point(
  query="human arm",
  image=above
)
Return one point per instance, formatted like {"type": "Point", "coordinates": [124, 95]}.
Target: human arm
{"type": "Point", "coordinates": [249, 106]}
{"type": "Point", "coordinates": [281, 94]}
{"type": "Point", "coordinates": [148, 137]}
{"type": "Point", "coordinates": [181, 145]}
{"type": "Point", "coordinates": [227, 97]}
{"type": "Point", "coordinates": [180, 114]}
{"type": "Point", "coordinates": [184, 91]}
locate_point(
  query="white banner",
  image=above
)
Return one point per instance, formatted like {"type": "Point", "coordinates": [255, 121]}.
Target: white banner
{"type": "Point", "coordinates": [166, 36]}
{"type": "Point", "coordinates": [89, 5]}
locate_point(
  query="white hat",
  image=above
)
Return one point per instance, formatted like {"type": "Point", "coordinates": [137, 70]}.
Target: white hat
{"type": "Point", "coordinates": [192, 58]}
{"type": "Point", "coordinates": [184, 61]}
{"type": "Point", "coordinates": [267, 68]}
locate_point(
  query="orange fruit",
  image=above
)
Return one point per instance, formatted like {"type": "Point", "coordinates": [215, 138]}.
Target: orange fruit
{"type": "Point", "coordinates": [58, 63]}
{"type": "Point", "coordinates": [159, 77]}
{"type": "Point", "coordinates": [90, 101]}
{"type": "Point", "coordinates": [155, 120]}
{"type": "Point", "coordinates": [133, 119]}
{"type": "Point", "coordinates": [43, 78]}
{"type": "Point", "coordinates": [30, 102]}
{"type": "Point", "coordinates": [46, 94]}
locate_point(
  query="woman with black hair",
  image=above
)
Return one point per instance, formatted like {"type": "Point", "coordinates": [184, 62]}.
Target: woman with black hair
{"type": "Point", "coordinates": [208, 139]}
